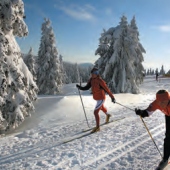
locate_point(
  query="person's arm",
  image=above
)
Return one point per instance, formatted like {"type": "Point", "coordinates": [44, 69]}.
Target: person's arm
{"type": "Point", "coordinates": [107, 90]}
{"type": "Point", "coordinates": [152, 107]}
{"type": "Point", "coordinates": [147, 112]}
{"type": "Point", "coordinates": [86, 87]}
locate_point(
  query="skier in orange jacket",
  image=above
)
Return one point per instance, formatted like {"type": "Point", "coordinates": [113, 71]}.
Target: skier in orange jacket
{"type": "Point", "coordinates": [162, 103]}
{"type": "Point", "coordinates": [99, 88]}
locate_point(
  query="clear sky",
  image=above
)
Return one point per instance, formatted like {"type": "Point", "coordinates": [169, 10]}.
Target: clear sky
{"type": "Point", "coordinates": [77, 25]}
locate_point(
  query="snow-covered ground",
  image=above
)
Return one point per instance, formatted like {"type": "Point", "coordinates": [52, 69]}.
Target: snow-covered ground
{"type": "Point", "coordinates": [38, 144]}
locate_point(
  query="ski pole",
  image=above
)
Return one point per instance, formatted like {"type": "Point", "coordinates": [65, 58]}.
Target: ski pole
{"type": "Point", "coordinates": [151, 137]}
{"type": "Point", "coordinates": [125, 106]}
{"type": "Point", "coordinates": [83, 108]}
{"type": "Point", "coordinates": [145, 127]}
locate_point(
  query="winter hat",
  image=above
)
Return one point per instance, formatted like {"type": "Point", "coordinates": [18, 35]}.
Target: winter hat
{"type": "Point", "coordinates": [94, 69]}
{"type": "Point", "coordinates": [162, 95]}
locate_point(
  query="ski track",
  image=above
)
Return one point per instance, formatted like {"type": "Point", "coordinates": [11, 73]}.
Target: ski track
{"type": "Point", "coordinates": [50, 143]}
{"type": "Point", "coordinates": [105, 159]}
{"type": "Point", "coordinates": [118, 152]}
{"type": "Point", "coordinates": [114, 151]}
{"type": "Point", "coordinates": [130, 145]}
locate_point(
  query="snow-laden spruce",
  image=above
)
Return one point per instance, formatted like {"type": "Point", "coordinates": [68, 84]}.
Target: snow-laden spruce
{"type": "Point", "coordinates": [72, 72]}
{"type": "Point", "coordinates": [49, 75]}
{"type": "Point", "coordinates": [18, 90]}
{"type": "Point", "coordinates": [162, 71]}
{"type": "Point", "coordinates": [76, 73]}
{"type": "Point", "coordinates": [120, 62]}
{"type": "Point", "coordinates": [64, 76]}
{"type": "Point", "coordinates": [29, 60]}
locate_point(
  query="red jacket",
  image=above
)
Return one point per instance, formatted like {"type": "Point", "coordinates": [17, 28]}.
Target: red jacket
{"type": "Point", "coordinates": [157, 104]}
{"type": "Point", "coordinates": [98, 87]}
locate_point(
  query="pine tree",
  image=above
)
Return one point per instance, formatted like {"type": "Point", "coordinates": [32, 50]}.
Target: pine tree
{"type": "Point", "coordinates": [156, 71]}
{"type": "Point", "coordinates": [162, 71]}
{"type": "Point", "coordinates": [137, 53]}
{"type": "Point", "coordinates": [18, 90]}
{"type": "Point", "coordinates": [49, 77]}
{"type": "Point", "coordinates": [77, 78]}
{"type": "Point", "coordinates": [29, 60]}
{"type": "Point", "coordinates": [75, 73]}
{"type": "Point", "coordinates": [63, 72]}
{"type": "Point", "coordinates": [148, 72]}
{"type": "Point", "coordinates": [120, 62]}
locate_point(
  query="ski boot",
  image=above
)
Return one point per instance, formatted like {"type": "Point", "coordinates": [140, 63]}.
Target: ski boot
{"type": "Point", "coordinates": [96, 129]}
{"type": "Point", "coordinates": [107, 118]}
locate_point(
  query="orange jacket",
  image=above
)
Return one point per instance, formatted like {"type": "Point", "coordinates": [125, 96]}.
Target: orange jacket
{"type": "Point", "coordinates": [98, 87]}
{"type": "Point", "coordinates": [156, 104]}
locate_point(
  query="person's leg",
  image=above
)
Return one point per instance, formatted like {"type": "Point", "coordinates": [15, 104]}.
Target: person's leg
{"type": "Point", "coordinates": [97, 118]}
{"type": "Point", "coordinates": [167, 138]}
{"type": "Point", "coordinates": [166, 153]}
{"type": "Point", "coordinates": [103, 108]}
{"type": "Point", "coordinates": [99, 104]}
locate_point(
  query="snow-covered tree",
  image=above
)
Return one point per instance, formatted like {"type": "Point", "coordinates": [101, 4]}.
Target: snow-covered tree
{"type": "Point", "coordinates": [168, 72]}
{"type": "Point", "coordinates": [18, 90]}
{"type": "Point", "coordinates": [75, 73]}
{"type": "Point", "coordinates": [68, 69]}
{"type": "Point", "coordinates": [152, 71]}
{"type": "Point", "coordinates": [63, 72]}
{"type": "Point", "coordinates": [29, 60]}
{"type": "Point", "coordinates": [72, 72]}
{"type": "Point", "coordinates": [156, 71]}
{"type": "Point", "coordinates": [49, 77]}
{"type": "Point", "coordinates": [120, 62]}
{"type": "Point", "coordinates": [137, 50]}
{"type": "Point", "coordinates": [145, 72]}
{"type": "Point", "coordinates": [162, 71]}
{"type": "Point", "coordinates": [85, 73]}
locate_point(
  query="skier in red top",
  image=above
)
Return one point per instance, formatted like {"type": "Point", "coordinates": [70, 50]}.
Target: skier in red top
{"type": "Point", "coordinates": [162, 103]}
{"type": "Point", "coordinates": [99, 88]}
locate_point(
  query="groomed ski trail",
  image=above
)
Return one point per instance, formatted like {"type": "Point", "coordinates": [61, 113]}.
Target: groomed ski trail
{"type": "Point", "coordinates": [118, 152]}
{"type": "Point", "coordinates": [46, 145]}
{"type": "Point", "coordinates": [109, 154]}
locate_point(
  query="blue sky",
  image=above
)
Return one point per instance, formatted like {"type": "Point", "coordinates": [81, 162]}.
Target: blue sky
{"type": "Point", "coordinates": [77, 25]}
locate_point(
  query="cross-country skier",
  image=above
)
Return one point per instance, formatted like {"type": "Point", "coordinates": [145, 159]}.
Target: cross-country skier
{"type": "Point", "coordinates": [99, 88]}
{"type": "Point", "coordinates": [162, 102]}
{"type": "Point", "coordinates": [157, 76]}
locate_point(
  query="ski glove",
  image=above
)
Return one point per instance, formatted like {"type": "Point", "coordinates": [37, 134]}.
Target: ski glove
{"type": "Point", "coordinates": [113, 100]}
{"type": "Point", "coordinates": [142, 113]}
{"type": "Point", "coordinates": [78, 86]}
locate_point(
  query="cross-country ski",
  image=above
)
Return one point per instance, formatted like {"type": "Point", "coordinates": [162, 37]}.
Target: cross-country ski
{"type": "Point", "coordinates": [104, 124]}
{"type": "Point", "coordinates": [90, 133]}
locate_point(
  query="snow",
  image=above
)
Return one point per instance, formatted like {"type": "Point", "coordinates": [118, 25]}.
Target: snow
{"type": "Point", "coordinates": [121, 145]}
